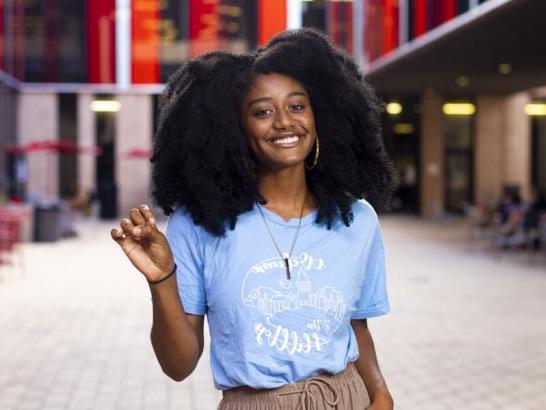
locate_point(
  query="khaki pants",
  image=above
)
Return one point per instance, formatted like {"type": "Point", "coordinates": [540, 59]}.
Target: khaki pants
{"type": "Point", "coordinates": [343, 391]}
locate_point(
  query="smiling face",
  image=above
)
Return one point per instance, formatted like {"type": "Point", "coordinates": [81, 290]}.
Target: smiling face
{"type": "Point", "coordinates": [278, 119]}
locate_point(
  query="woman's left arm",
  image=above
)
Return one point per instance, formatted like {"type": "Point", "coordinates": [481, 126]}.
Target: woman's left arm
{"type": "Point", "coordinates": [368, 368]}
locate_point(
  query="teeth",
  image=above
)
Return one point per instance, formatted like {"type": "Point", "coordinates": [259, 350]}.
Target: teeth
{"type": "Point", "coordinates": [287, 140]}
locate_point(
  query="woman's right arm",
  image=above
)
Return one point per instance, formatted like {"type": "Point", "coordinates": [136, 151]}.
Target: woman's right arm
{"type": "Point", "coordinates": [177, 337]}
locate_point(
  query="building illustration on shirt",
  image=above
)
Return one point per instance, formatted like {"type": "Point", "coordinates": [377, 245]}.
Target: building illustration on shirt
{"type": "Point", "coordinates": [271, 301]}
{"type": "Point", "coordinates": [293, 316]}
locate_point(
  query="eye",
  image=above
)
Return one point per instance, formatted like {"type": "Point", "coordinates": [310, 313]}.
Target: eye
{"type": "Point", "coordinates": [297, 107]}
{"type": "Point", "coordinates": [261, 113]}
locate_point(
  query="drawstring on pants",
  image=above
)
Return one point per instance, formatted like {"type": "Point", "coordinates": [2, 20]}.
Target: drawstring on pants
{"type": "Point", "coordinates": [307, 399]}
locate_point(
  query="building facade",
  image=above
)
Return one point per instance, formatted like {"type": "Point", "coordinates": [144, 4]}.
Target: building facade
{"type": "Point", "coordinates": [465, 81]}
{"type": "Point", "coordinates": [90, 72]}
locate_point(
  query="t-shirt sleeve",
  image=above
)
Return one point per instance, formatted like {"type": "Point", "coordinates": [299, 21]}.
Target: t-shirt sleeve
{"type": "Point", "coordinates": [184, 241]}
{"type": "Point", "coordinates": [373, 299]}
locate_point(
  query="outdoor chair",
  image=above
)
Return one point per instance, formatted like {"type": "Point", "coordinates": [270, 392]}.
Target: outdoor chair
{"type": "Point", "coordinates": [10, 238]}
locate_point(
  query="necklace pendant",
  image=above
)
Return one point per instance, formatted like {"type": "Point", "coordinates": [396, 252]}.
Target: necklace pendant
{"type": "Point", "coordinates": [287, 266]}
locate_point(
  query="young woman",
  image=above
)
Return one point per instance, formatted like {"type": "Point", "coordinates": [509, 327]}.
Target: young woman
{"type": "Point", "coordinates": [260, 160]}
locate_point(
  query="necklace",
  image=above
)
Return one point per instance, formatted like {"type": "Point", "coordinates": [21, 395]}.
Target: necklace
{"type": "Point", "coordinates": [285, 257]}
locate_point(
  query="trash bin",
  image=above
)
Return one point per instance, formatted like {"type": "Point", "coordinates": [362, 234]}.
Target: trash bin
{"type": "Point", "coordinates": [47, 223]}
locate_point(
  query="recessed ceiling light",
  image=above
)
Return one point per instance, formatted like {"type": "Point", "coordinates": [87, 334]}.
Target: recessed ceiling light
{"type": "Point", "coordinates": [105, 106]}
{"type": "Point", "coordinates": [505, 68]}
{"type": "Point", "coordinates": [403, 128]}
{"type": "Point", "coordinates": [394, 108]}
{"type": "Point", "coordinates": [535, 109]}
{"type": "Point", "coordinates": [463, 81]}
{"type": "Point", "coordinates": [458, 109]}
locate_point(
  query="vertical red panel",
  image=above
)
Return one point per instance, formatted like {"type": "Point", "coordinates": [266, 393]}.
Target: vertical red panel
{"type": "Point", "coordinates": [368, 39]}
{"type": "Point", "coordinates": [420, 17]}
{"type": "Point", "coordinates": [1, 34]}
{"type": "Point", "coordinates": [450, 9]}
{"type": "Point", "coordinates": [442, 11]}
{"type": "Point", "coordinates": [390, 25]}
{"type": "Point", "coordinates": [333, 23]}
{"type": "Point", "coordinates": [378, 28]}
{"type": "Point", "coordinates": [145, 41]}
{"type": "Point", "coordinates": [204, 26]}
{"type": "Point", "coordinates": [271, 19]}
{"type": "Point", "coordinates": [101, 41]}
{"type": "Point", "coordinates": [340, 24]}
{"type": "Point", "coordinates": [349, 27]}
{"type": "Point", "coordinates": [374, 29]}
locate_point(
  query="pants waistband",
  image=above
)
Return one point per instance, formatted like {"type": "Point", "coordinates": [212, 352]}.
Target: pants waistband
{"type": "Point", "coordinates": [325, 384]}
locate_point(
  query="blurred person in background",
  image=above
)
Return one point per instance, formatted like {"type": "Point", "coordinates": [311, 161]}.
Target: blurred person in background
{"type": "Point", "coordinates": [508, 219]}
{"type": "Point", "coordinates": [535, 217]}
{"type": "Point", "coordinates": [509, 202]}
{"type": "Point", "coordinates": [263, 161]}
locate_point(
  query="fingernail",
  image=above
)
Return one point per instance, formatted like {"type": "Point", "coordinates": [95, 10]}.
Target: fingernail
{"type": "Point", "coordinates": [152, 221]}
{"type": "Point", "coordinates": [125, 220]}
{"type": "Point", "coordinates": [136, 231]}
{"type": "Point", "coordinates": [145, 207]}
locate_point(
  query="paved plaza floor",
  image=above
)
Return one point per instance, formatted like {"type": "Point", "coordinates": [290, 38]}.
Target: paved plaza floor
{"type": "Point", "coordinates": [466, 331]}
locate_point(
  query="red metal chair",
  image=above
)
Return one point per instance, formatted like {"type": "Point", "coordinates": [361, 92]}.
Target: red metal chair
{"type": "Point", "coordinates": [10, 237]}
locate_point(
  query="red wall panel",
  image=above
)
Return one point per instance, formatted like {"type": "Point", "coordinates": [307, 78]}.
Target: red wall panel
{"type": "Point", "coordinates": [333, 26]}
{"type": "Point", "coordinates": [204, 26]}
{"type": "Point", "coordinates": [145, 41]}
{"type": "Point", "coordinates": [374, 30]}
{"type": "Point", "coordinates": [340, 24]}
{"type": "Point", "coordinates": [349, 27]}
{"type": "Point", "coordinates": [101, 41]}
{"type": "Point", "coordinates": [450, 9]}
{"type": "Point", "coordinates": [390, 25]}
{"type": "Point", "coordinates": [420, 17]}
{"type": "Point", "coordinates": [271, 19]}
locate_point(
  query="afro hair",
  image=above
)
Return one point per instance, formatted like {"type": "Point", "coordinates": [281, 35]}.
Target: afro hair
{"type": "Point", "coordinates": [202, 159]}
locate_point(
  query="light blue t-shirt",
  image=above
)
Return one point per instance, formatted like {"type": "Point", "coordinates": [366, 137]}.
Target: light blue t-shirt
{"type": "Point", "coordinates": [266, 330]}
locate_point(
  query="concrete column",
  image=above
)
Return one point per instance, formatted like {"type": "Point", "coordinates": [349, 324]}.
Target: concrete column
{"type": "Point", "coordinates": [432, 156]}
{"type": "Point", "coordinates": [86, 131]}
{"type": "Point", "coordinates": [488, 149]}
{"type": "Point", "coordinates": [517, 143]}
{"type": "Point", "coordinates": [38, 120]}
{"type": "Point", "coordinates": [134, 127]}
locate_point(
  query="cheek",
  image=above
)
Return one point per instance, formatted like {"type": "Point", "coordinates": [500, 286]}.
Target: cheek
{"type": "Point", "coordinates": [255, 131]}
{"type": "Point", "coordinates": [311, 122]}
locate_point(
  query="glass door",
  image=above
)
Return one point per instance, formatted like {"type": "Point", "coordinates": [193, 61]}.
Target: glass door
{"type": "Point", "coordinates": [458, 130]}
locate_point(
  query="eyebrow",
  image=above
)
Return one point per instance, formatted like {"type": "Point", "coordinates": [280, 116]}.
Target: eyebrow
{"type": "Point", "coordinates": [262, 99]}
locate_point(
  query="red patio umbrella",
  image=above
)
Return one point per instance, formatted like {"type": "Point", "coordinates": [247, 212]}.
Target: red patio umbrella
{"type": "Point", "coordinates": [63, 146]}
{"type": "Point", "coordinates": [138, 153]}
{"type": "Point", "coordinates": [68, 146]}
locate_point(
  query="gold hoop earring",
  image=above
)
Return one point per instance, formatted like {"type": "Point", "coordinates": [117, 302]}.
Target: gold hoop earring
{"type": "Point", "coordinates": [317, 150]}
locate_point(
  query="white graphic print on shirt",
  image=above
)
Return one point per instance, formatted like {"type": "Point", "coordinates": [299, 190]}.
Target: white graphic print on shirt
{"type": "Point", "coordinates": [296, 318]}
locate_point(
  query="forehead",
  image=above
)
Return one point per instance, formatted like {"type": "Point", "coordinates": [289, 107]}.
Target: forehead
{"type": "Point", "coordinates": [274, 84]}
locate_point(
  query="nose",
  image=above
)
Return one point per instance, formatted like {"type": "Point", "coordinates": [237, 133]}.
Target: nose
{"type": "Point", "coordinates": [283, 120]}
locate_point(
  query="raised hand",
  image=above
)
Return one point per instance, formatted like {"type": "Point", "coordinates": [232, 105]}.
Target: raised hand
{"type": "Point", "coordinates": [145, 246]}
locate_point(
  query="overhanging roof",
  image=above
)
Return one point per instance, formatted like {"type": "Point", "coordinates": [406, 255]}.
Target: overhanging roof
{"type": "Point", "coordinates": [472, 45]}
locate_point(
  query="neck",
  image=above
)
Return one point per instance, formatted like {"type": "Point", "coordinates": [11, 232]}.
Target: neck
{"type": "Point", "coordinates": [285, 190]}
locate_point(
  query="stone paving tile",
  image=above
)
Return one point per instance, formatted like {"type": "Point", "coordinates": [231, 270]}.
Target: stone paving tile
{"type": "Point", "coordinates": [466, 330]}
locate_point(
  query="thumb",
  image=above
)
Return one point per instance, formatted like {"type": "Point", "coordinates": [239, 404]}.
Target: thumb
{"type": "Point", "coordinates": [117, 235]}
